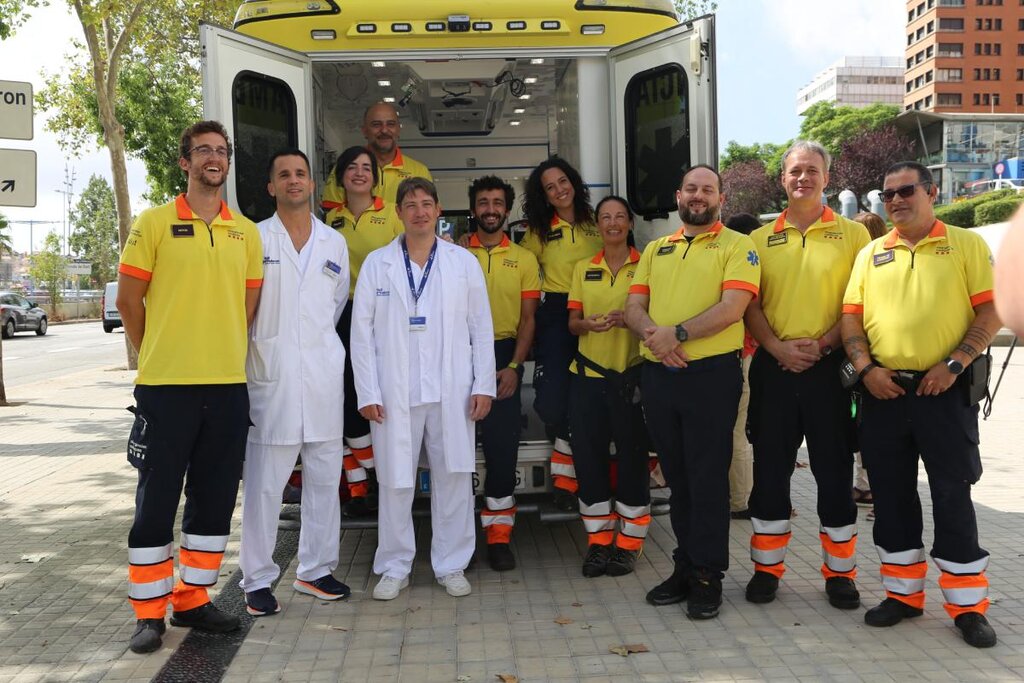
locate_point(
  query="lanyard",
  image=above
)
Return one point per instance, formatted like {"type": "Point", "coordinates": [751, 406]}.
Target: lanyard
{"type": "Point", "coordinates": [417, 293]}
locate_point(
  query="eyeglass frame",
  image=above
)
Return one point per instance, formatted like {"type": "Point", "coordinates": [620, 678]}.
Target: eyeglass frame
{"type": "Point", "coordinates": [888, 195]}
{"type": "Point", "coordinates": [223, 152]}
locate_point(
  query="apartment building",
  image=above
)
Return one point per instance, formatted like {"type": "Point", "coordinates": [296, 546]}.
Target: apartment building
{"type": "Point", "coordinates": [855, 82]}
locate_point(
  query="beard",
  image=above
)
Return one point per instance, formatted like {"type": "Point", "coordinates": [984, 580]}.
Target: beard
{"type": "Point", "coordinates": [497, 227]}
{"type": "Point", "coordinates": [705, 217]}
{"type": "Point", "coordinates": [204, 180]}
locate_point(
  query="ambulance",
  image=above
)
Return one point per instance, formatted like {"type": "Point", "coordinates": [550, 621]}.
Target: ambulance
{"type": "Point", "coordinates": [618, 88]}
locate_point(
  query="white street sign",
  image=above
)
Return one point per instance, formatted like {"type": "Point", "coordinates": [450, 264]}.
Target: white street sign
{"type": "Point", "coordinates": [16, 110]}
{"type": "Point", "coordinates": [17, 177]}
{"type": "Point", "coordinates": [79, 268]}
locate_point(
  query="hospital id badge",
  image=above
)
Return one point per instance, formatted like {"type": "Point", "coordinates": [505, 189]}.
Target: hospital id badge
{"type": "Point", "coordinates": [417, 323]}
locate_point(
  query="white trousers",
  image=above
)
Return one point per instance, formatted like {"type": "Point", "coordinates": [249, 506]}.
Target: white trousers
{"type": "Point", "coordinates": [264, 475]}
{"type": "Point", "coordinates": [451, 507]}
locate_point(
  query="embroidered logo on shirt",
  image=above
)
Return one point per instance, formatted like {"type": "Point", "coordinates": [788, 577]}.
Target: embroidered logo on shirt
{"type": "Point", "coordinates": [236, 235]}
{"type": "Point", "coordinates": [752, 258]}
{"type": "Point", "coordinates": [267, 261]}
{"type": "Point", "coordinates": [383, 292]}
{"type": "Point", "coordinates": [944, 250]}
{"type": "Point", "coordinates": [833, 235]}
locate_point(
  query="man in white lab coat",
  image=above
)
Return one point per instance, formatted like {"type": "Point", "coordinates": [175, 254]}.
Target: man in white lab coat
{"type": "Point", "coordinates": [423, 359]}
{"type": "Point", "coordinates": [295, 367]}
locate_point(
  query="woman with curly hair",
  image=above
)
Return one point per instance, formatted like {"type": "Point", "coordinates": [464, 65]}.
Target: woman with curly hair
{"type": "Point", "coordinates": [561, 233]}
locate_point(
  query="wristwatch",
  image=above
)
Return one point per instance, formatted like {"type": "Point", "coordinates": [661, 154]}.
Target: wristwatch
{"type": "Point", "coordinates": [954, 366]}
{"type": "Point", "coordinates": [681, 333]}
{"type": "Point", "coordinates": [513, 365]}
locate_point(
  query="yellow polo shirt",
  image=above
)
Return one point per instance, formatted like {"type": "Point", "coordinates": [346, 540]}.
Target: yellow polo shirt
{"type": "Point", "coordinates": [918, 303]}
{"type": "Point", "coordinates": [376, 227]}
{"type": "Point", "coordinates": [804, 276]}
{"type": "Point", "coordinates": [512, 274]}
{"type": "Point", "coordinates": [196, 330]}
{"type": "Point", "coordinates": [566, 246]}
{"type": "Point", "coordinates": [684, 279]}
{"type": "Point", "coordinates": [389, 178]}
{"type": "Point", "coordinates": [595, 290]}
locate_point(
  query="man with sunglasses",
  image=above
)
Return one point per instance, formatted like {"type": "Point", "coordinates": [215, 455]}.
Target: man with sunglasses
{"type": "Point", "coordinates": [917, 313]}
{"type": "Point", "coordinates": [795, 391]}
{"type": "Point", "coordinates": [189, 282]}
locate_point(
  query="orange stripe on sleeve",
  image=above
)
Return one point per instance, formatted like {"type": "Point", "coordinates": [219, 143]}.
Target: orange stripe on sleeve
{"type": "Point", "coordinates": [254, 284]}
{"type": "Point", "coordinates": [740, 284]}
{"type": "Point", "coordinates": [982, 298]}
{"type": "Point", "coordinates": [857, 309]}
{"type": "Point", "coordinates": [574, 305]}
{"type": "Point", "coordinates": [640, 289]}
{"type": "Point", "coordinates": [531, 294]}
{"type": "Point", "coordinates": [137, 273]}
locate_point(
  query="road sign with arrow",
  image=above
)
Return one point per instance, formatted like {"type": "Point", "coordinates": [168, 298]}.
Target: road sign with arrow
{"type": "Point", "coordinates": [17, 177]}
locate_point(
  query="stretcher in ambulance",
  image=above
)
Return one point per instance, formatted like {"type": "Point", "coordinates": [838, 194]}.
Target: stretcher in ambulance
{"type": "Point", "coordinates": [618, 88]}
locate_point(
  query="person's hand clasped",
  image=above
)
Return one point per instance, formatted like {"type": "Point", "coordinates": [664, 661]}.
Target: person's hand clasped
{"type": "Point", "coordinates": [666, 348]}
{"type": "Point", "coordinates": [797, 355]}
{"type": "Point", "coordinates": [879, 381]}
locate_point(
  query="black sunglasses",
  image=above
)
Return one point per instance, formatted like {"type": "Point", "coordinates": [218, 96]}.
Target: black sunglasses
{"type": "Point", "coordinates": [904, 191]}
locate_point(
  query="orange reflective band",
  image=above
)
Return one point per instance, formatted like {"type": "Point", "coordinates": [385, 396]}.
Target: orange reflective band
{"type": "Point", "coordinates": [364, 455]}
{"type": "Point", "coordinates": [845, 550]}
{"type": "Point", "coordinates": [199, 559]}
{"type": "Point", "coordinates": [561, 458]}
{"type": "Point", "coordinates": [856, 309]}
{"type": "Point", "coordinates": [187, 597]}
{"type": "Point", "coordinates": [955, 610]}
{"type": "Point", "coordinates": [640, 289]}
{"type": "Point", "coordinates": [763, 542]}
{"type": "Point", "coordinates": [776, 570]}
{"type": "Point", "coordinates": [574, 305]}
{"type": "Point", "coordinates": [531, 294]}
{"type": "Point", "coordinates": [914, 599]}
{"type": "Point", "coordinates": [150, 609]}
{"type": "Point", "coordinates": [137, 273]}
{"type": "Point", "coordinates": [918, 570]}
{"type": "Point", "coordinates": [565, 483]}
{"type": "Point", "coordinates": [982, 298]}
{"type": "Point", "coordinates": [740, 284]}
{"type": "Point", "coordinates": [601, 538]}
{"type": "Point", "coordinates": [147, 573]}
{"type": "Point", "coordinates": [629, 542]}
{"type": "Point", "coordinates": [253, 284]}
{"type": "Point", "coordinates": [499, 533]}
{"type": "Point", "coordinates": [639, 521]}
{"type": "Point", "coordinates": [828, 573]}
{"type": "Point", "coordinates": [359, 489]}
{"type": "Point", "coordinates": [349, 462]}
{"type": "Point", "coordinates": [968, 581]}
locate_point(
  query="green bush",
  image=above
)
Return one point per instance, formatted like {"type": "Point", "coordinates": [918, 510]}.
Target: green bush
{"type": "Point", "coordinates": [997, 211]}
{"type": "Point", "coordinates": [961, 214]}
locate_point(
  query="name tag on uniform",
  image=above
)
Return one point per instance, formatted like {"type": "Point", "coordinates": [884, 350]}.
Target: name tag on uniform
{"type": "Point", "coordinates": [593, 275]}
{"type": "Point", "coordinates": [555, 235]}
{"type": "Point", "coordinates": [775, 240]}
{"type": "Point", "coordinates": [887, 256]}
{"type": "Point", "coordinates": [417, 323]}
{"type": "Point", "coordinates": [667, 249]}
{"type": "Point", "coordinates": [183, 230]}
{"type": "Point", "coordinates": [331, 268]}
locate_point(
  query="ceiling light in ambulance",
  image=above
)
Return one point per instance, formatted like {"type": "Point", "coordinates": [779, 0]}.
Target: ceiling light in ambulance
{"type": "Point", "coordinates": [515, 123]}
{"type": "Point", "coordinates": [482, 26]}
{"type": "Point", "coordinates": [366, 28]}
{"type": "Point", "coordinates": [550, 25]}
{"type": "Point", "coordinates": [530, 81]}
{"type": "Point", "coordinates": [378, 65]}
{"type": "Point", "coordinates": [519, 111]}
{"type": "Point", "coordinates": [323, 34]}
{"type": "Point", "coordinates": [401, 28]}
{"type": "Point", "coordinates": [435, 26]}
{"type": "Point", "coordinates": [536, 61]}
{"type": "Point", "coordinates": [384, 83]}
{"type": "Point", "coordinates": [516, 26]}
{"type": "Point", "coordinates": [389, 100]}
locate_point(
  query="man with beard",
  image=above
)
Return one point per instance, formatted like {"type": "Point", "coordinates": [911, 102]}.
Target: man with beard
{"type": "Point", "coordinates": [795, 390]}
{"type": "Point", "coordinates": [381, 128]}
{"type": "Point", "coordinates": [189, 282]}
{"type": "Point", "coordinates": [692, 379]}
{"type": "Point", "coordinates": [513, 288]}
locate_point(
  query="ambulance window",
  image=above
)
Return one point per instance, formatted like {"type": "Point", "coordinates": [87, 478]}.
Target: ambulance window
{"type": "Point", "coordinates": [265, 122]}
{"type": "Point", "coordinates": [657, 138]}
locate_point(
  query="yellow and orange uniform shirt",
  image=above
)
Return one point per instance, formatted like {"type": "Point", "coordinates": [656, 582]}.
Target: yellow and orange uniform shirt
{"type": "Point", "coordinates": [684, 279]}
{"type": "Point", "coordinates": [804, 276]}
{"type": "Point", "coordinates": [595, 290]}
{"type": "Point", "coordinates": [376, 227]}
{"type": "Point", "coordinates": [567, 245]}
{"type": "Point", "coordinates": [196, 330]}
{"type": "Point", "coordinates": [918, 302]}
{"type": "Point", "coordinates": [512, 275]}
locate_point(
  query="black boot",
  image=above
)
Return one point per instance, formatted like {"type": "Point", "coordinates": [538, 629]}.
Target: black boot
{"type": "Point", "coordinates": [148, 636]}
{"type": "Point", "coordinates": [705, 595]}
{"type": "Point", "coordinates": [206, 618]}
{"type": "Point", "coordinates": [842, 592]}
{"type": "Point", "coordinates": [890, 612]}
{"type": "Point", "coordinates": [762, 587]}
{"type": "Point", "coordinates": [976, 630]}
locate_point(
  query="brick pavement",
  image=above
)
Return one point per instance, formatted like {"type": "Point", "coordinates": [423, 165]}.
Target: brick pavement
{"type": "Point", "coordinates": [66, 504]}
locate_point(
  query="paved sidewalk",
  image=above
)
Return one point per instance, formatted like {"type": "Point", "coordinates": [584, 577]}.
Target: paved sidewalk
{"type": "Point", "coordinates": [66, 501]}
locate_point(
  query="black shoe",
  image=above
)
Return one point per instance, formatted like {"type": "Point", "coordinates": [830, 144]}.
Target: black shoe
{"type": "Point", "coordinates": [326, 588]}
{"type": "Point", "coordinates": [596, 561]}
{"type": "Point", "coordinates": [356, 508]}
{"type": "Point", "coordinates": [500, 557]}
{"type": "Point", "coordinates": [565, 501]}
{"type": "Point", "coordinates": [740, 514]}
{"type": "Point", "coordinates": [622, 561]}
{"type": "Point", "coordinates": [705, 596]}
{"type": "Point", "coordinates": [890, 612]}
{"type": "Point", "coordinates": [762, 587]}
{"type": "Point", "coordinates": [842, 592]}
{"type": "Point", "coordinates": [976, 630]}
{"type": "Point", "coordinates": [672, 590]}
{"type": "Point", "coordinates": [206, 618]}
{"type": "Point", "coordinates": [261, 603]}
{"type": "Point", "coordinates": [148, 636]}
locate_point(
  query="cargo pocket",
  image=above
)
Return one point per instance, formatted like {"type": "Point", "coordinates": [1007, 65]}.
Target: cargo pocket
{"type": "Point", "coordinates": [140, 439]}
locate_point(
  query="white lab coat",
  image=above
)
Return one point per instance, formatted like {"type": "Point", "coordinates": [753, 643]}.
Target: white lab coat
{"type": "Point", "coordinates": [380, 355]}
{"type": "Point", "coordinates": [296, 363]}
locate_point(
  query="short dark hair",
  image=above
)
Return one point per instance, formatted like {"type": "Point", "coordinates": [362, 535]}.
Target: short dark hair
{"type": "Point", "coordinates": [923, 174]}
{"type": "Point", "coordinates": [349, 156]}
{"type": "Point", "coordinates": [410, 185]}
{"type": "Point", "coordinates": [745, 223]}
{"type": "Point", "coordinates": [287, 152]}
{"type": "Point", "coordinates": [614, 198]}
{"type": "Point", "coordinates": [695, 167]}
{"type": "Point", "coordinates": [202, 128]}
{"type": "Point", "coordinates": [491, 182]}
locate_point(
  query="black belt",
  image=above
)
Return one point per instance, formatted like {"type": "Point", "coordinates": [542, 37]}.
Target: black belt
{"type": "Point", "coordinates": [908, 380]}
{"type": "Point", "coordinates": [711, 362]}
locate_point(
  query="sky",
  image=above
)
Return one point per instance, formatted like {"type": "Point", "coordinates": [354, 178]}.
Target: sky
{"type": "Point", "coordinates": [766, 51]}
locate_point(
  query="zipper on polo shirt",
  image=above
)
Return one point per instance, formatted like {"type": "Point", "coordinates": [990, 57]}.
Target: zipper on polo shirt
{"type": "Point", "coordinates": [209, 230]}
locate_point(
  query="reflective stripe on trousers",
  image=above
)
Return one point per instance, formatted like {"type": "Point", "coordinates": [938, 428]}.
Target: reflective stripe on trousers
{"type": "Point", "coordinates": [903, 575]}
{"type": "Point", "coordinates": [634, 522]}
{"type": "Point", "coordinates": [839, 551]}
{"type": "Point", "coordinates": [362, 449]}
{"type": "Point", "coordinates": [498, 517]}
{"type": "Point", "coordinates": [599, 522]}
{"type": "Point", "coordinates": [768, 545]}
{"type": "Point", "coordinates": [964, 586]}
{"type": "Point", "coordinates": [563, 472]}
{"type": "Point", "coordinates": [150, 573]}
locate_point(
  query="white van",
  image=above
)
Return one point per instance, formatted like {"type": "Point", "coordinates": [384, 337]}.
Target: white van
{"type": "Point", "coordinates": [108, 307]}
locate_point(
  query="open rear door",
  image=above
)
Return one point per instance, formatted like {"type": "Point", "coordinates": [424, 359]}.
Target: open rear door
{"type": "Point", "coordinates": [262, 95]}
{"type": "Point", "coordinates": [664, 114]}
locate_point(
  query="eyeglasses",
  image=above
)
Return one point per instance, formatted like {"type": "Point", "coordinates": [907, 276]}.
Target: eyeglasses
{"type": "Point", "coordinates": [207, 151]}
{"type": "Point", "coordinates": [904, 191]}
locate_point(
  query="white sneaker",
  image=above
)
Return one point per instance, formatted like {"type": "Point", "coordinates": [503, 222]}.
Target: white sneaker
{"type": "Point", "coordinates": [456, 584]}
{"type": "Point", "coordinates": [388, 587]}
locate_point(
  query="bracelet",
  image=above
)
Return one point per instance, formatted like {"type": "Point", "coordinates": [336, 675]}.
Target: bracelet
{"type": "Point", "coordinates": [867, 368]}
{"type": "Point", "coordinates": [513, 365]}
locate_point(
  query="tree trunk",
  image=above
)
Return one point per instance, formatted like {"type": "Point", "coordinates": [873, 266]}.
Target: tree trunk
{"type": "Point", "coordinates": [3, 391]}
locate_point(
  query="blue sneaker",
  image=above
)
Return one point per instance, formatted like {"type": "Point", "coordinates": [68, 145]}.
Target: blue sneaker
{"type": "Point", "coordinates": [261, 603]}
{"type": "Point", "coordinates": [326, 588]}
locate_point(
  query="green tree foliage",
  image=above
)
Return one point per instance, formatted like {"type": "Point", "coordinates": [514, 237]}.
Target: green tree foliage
{"type": "Point", "coordinates": [6, 245]}
{"type": "Point", "coordinates": [832, 126]}
{"type": "Point", "coordinates": [50, 269]}
{"type": "Point", "coordinates": [691, 9]}
{"type": "Point", "coordinates": [768, 153]}
{"type": "Point", "coordinates": [94, 230]}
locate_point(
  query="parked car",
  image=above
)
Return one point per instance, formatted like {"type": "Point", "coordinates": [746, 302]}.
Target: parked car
{"type": "Point", "coordinates": [111, 316]}
{"type": "Point", "coordinates": [18, 314]}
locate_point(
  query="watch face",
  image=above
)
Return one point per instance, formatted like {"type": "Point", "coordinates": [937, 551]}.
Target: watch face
{"type": "Point", "coordinates": [956, 367]}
